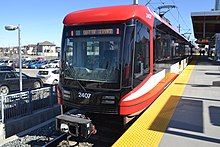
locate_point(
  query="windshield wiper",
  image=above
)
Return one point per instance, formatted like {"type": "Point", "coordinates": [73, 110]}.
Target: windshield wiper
{"type": "Point", "coordinates": [80, 85]}
{"type": "Point", "coordinates": [73, 73]}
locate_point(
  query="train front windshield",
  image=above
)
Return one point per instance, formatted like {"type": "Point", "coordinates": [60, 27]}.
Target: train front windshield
{"type": "Point", "coordinates": [92, 54]}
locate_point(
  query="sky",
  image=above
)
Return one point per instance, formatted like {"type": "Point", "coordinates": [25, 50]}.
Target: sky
{"type": "Point", "coordinates": [41, 20]}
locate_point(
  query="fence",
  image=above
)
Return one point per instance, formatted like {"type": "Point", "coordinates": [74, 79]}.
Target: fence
{"type": "Point", "coordinates": [25, 103]}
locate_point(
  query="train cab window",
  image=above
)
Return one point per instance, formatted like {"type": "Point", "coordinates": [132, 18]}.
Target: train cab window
{"type": "Point", "coordinates": [142, 50]}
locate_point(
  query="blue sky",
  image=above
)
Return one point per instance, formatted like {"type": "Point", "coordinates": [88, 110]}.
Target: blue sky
{"type": "Point", "coordinates": [41, 20]}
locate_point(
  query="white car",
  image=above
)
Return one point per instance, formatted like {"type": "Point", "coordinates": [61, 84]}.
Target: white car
{"type": "Point", "coordinates": [49, 76]}
{"type": "Point", "coordinates": [54, 64]}
{"type": "Point", "coordinates": [6, 62]}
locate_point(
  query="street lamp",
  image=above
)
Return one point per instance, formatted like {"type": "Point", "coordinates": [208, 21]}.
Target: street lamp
{"type": "Point", "coordinates": [135, 2]}
{"type": "Point", "coordinates": [12, 28]}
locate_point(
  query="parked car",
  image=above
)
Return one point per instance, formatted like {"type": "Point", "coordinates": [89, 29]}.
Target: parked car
{"type": "Point", "coordinates": [33, 64]}
{"type": "Point", "coordinates": [10, 82]}
{"type": "Point", "coordinates": [54, 64]}
{"type": "Point", "coordinates": [49, 76]}
{"type": "Point", "coordinates": [6, 62]}
{"type": "Point", "coordinates": [43, 64]}
{"type": "Point", "coordinates": [25, 58]}
{"type": "Point", "coordinates": [25, 64]}
{"type": "Point", "coordinates": [40, 58]}
{"type": "Point", "coordinates": [6, 68]}
{"type": "Point", "coordinates": [38, 64]}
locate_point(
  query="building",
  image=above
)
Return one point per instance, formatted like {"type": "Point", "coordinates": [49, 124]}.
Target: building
{"type": "Point", "coordinates": [46, 48]}
{"type": "Point", "coordinates": [206, 28]}
{"type": "Point", "coordinates": [31, 49]}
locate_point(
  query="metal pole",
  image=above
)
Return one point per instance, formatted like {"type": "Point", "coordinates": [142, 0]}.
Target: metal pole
{"type": "Point", "coordinates": [3, 107]}
{"type": "Point", "coordinates": [204, 25]}
{"type": "Point", "coordinates": [217, 5]}
{"type": "Point", "coordinates": [20, 63]}
{"type": "Point", "coordinates": [179, 28]}
{"type": "Point", "coordinates": [135, 2]}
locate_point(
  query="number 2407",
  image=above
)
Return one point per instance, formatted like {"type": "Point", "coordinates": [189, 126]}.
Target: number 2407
{"type": "Point", "coordinates": [84, 95]}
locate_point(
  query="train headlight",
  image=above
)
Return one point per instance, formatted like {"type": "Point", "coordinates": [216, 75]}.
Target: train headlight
{"type": "Point", "coordinates": [88, 125]}
{"type": "Point", "coordinates": [64, 128]}
{"type": "Point", "coordinates": [108, 100]}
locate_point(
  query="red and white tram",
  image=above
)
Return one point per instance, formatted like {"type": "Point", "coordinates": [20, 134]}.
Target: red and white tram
{"type": "Point", "coordinates": [118, 59]}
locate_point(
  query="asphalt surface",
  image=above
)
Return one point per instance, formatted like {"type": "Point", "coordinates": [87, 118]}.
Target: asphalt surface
{"type": "Point", "coordinates": [29, 72]}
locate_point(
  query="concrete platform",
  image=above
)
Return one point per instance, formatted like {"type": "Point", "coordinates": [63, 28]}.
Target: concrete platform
{"type": "Point", "coordinates": [187, 113]}
{"type": "Point", "coordinates": [196, 120]}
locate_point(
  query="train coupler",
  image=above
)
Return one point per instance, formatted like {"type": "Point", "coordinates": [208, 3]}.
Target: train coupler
{"type": "Point", "coordinates": [76, 125]}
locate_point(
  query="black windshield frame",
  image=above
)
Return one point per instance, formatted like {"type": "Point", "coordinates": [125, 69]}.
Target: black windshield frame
{"type": "Point", "coordinates": [101, 77]}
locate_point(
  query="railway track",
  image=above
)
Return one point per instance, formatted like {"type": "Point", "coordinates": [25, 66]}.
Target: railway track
{"type": "Point", "coordinates": [56, 140]}
{"type": "Point", "coordinates": [109, 128]}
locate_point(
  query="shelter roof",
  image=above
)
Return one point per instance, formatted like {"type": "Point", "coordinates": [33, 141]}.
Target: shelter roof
{"type": "Point", "coordinates": [205, 24]}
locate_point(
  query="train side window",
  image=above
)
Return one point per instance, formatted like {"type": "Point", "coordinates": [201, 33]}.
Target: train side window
{"type": "Point", "coordinates": [142, 50]}
{"type": "Point", "coordinates": [127, 54]}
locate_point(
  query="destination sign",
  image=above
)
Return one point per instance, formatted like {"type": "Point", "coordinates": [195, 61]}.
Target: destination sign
{"type": "Point", "coordinates": [98, 32]}
{"type": "Point", "coordinates": [94, 32]}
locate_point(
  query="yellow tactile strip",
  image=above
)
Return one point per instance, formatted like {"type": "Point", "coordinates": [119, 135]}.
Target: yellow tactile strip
{"type": "Point", "coordinates": [148, 130]}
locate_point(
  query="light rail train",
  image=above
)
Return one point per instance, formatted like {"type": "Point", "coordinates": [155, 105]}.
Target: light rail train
{"type": "Point", "coordinates": [117, 60]}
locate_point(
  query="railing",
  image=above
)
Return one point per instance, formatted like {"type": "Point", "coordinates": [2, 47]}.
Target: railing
{"type": "Point", "coordinates": [26, 102]}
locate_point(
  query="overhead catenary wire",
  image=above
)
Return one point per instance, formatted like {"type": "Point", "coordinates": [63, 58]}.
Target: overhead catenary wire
{"type": "Point", "coordinates": [179, 15]}
{"type": "Point", "coordinates": [147, 2]}
{"type": "Point", "coordinates": [177, 19]}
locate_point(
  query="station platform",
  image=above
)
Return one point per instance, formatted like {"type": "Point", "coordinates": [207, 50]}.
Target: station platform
{"type": "Point", "coordinates": [187, 113]}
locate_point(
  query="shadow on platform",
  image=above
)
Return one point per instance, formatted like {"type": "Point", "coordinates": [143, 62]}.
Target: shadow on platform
{"type": "Point", "coordinates": [187, 120]}
{"type": "Point", "coordinates": [214, 113]}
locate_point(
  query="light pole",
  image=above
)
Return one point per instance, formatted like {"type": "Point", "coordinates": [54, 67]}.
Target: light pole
{"type": "Point", "coordinates": [12, 28]}
{"type": "Point", "coordinates": [135, 2]}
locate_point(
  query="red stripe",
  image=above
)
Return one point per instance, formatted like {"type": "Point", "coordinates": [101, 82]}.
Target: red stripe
{"type": "Point", "coordinates": [138, 104]}
{"type": "Point", "coordinates": [136, 88]}
{"type": "Point", "coordinates": [151, 51]}
{"type": "Point", "coordinates": [130, 109]}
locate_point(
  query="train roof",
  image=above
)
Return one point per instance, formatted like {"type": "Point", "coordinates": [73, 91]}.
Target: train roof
{"type": "Point", "coordinates": [115, 14]}
{"type": "Point", "coordinates": [110, 14]}
{"type": "Point", "coordinates": [167, 24]}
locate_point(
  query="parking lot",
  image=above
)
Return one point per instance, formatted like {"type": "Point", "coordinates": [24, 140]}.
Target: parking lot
{"type": "Point", "coordinates": [48, 76]}
{"type": "Point", "coordinates": [29, 72]}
